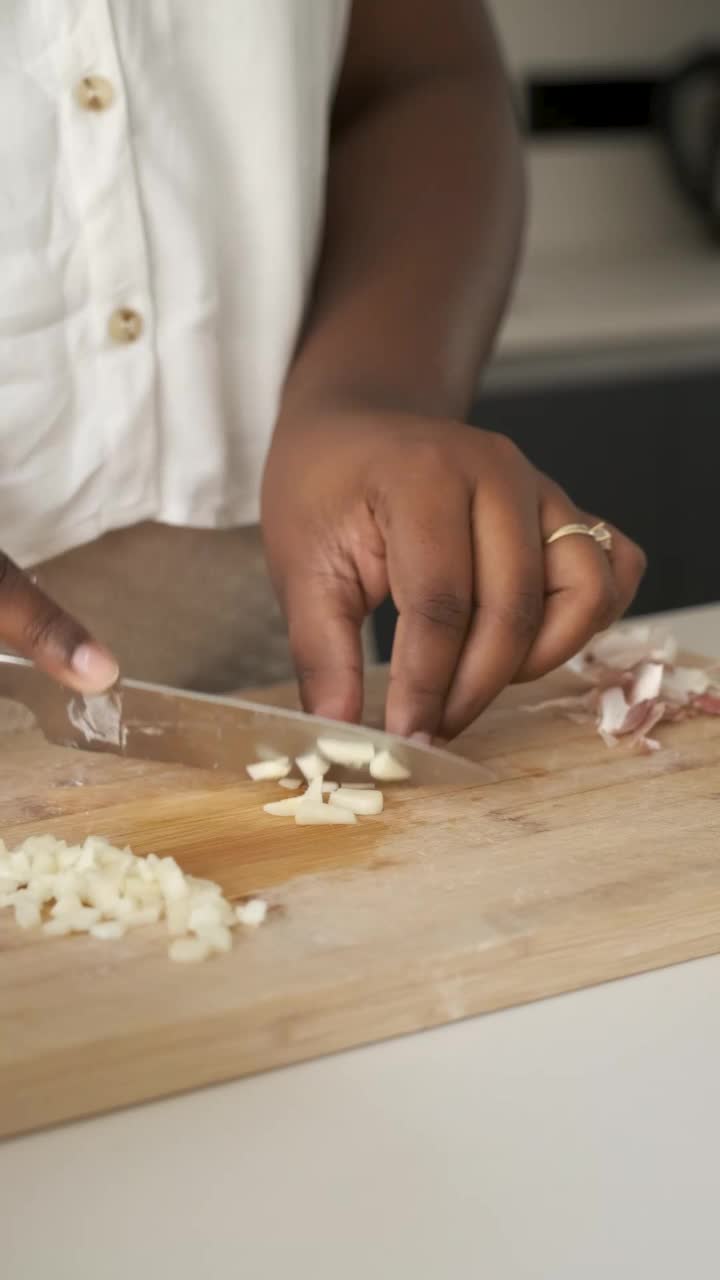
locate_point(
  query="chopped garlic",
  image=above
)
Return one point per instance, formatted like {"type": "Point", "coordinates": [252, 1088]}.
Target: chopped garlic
{"type": "Point", "coordinates": [103, 891]}
{"type": "Point", "coordinates": [82, 920]}
{"type": "Point", "coordinates": [269, 770]}
{"type": "Point", "coordinates": [354, 754]}
{"type": "Point", "coordinates": [27, 914]}
{"type": "Point", "coordinates": [361, 802]}
{"type": "Point", "coordinates": [205, 916]}
{"type": "Point", "coordinates": [252, 913]}
{"type": "Point", "coordinates": [19, 865]}
{"type": "Point", "coordinates": [108, 930]}
{"type": "Point", "coordinates": [142, 916]}
{"type": "Point", "coordinates": [57, 928]}
{"type": "Point", "coordinates": [386, 768]}
{"type": "Point", "coordinates": [189, 950]}
{"type": "Point", "coordinates": [217, 937]}
{"type": "Point", "coordinates": [172, 882]}
{"type": "Point", "coordinates": [177, 915]}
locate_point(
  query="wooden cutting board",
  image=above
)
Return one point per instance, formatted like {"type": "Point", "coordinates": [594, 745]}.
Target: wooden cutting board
{"type": "Point", "coordinates": [569, 865]}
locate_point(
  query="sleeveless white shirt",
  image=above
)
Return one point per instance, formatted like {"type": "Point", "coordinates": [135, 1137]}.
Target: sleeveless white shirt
{"type": "Point", "coordinates": [162, 170]}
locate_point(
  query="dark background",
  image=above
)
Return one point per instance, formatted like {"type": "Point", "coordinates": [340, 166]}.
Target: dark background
{"type": "Point", "coordinates": [642, 453]}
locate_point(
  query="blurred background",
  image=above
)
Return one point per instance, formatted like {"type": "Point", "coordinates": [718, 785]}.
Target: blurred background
{"type": "Point", "coordinates": [607, 372]}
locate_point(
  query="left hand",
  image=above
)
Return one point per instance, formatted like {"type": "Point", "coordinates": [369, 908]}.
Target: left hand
{"type": "Point", "coordinates": [451, 520]}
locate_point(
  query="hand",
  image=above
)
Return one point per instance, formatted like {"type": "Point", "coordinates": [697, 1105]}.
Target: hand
{"type": "Point", "coordinates": [451, 520]}
{"type": "Point", "coordinates": [33, 625]}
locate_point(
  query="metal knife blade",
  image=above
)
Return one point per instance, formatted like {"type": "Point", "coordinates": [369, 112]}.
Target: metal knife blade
{"type": "Point", "coordinates": [172, 726]}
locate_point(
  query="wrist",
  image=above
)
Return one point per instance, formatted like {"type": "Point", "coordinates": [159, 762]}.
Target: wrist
{"type": "Point", "coordinates": [354, 399]}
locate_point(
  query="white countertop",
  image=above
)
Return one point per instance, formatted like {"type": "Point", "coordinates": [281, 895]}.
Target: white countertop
{"type": "Point", "coordinates": [573, 1139]}
{"type": "Point", "coordinates": [617, 267]}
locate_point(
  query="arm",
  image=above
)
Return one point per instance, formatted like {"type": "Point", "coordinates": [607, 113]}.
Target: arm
{"type": "Point", "coordinates": [373, 483]}
{"type": "Point", "coordinates": [424, 213]}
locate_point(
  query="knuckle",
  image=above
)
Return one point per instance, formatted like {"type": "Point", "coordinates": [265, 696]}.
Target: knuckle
{"type": "Point", "coordinates": [428, 458]}
{"type": "Point", "coordinates": [506, 451]}
{"type": "Point", "coordinates": [522, 613]}
{"type": "Point", "coordinates": [421, 688]}
{"type": "Point", "coordinates": [307, 673]}
{"type": "Point", "coordinates": [448, 609]}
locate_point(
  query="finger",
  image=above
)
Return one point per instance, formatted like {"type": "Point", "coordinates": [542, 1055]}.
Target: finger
{"type": "Point", "coordinates": [628, 563]}
{"type": "Point", "coordinates": [325, 612]}
{"type": "Point", "coordinates": [37, 628]}
{"type": "Point", "coordinates": [509, 595]}
{"type": "Point", "coordinates": [429, 559]}
{"type": "Point", "coordinates": [582, 595]}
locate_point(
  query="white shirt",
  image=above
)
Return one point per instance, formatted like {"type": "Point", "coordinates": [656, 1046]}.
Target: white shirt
{"type": "Point", "coordinates": [162, 168]}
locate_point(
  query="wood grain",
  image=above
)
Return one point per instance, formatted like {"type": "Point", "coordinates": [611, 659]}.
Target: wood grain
{"type": "Point", "coordinates": [574, 865]}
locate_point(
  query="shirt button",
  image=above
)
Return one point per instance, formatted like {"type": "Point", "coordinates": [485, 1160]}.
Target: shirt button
{"type": "Point", "coordinates": [94, 93]}
{"type": "Point", "coordinates": [125, 325]}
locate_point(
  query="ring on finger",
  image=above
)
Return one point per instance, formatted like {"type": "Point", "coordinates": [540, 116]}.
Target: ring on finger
{"type": "Point", "coordinates": [599, 532]}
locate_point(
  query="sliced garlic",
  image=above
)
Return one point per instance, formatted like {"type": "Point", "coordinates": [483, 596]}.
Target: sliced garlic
{"type": "Point", "coordinates": [312, 765]}
{"type": "Point", "coordinates": [283, 808]}
{"type": "Point", "coordinates": [290, 784]}
{"type": "Point", "coordinates": [269, 770]}
{"type": "Point", "coordinates": [312, 815]}
{"type": "Point", "coordinates": [314, 793]}
{"type": "Point", "coordinates": [386, 768]}
{"type": "Point", "coordinates": [353, 754]}
{"type": "Point", "coordinates": [361, 802]}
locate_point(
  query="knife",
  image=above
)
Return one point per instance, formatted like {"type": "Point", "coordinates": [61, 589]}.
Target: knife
{"type": "Point", "coordinates": [152, 722]}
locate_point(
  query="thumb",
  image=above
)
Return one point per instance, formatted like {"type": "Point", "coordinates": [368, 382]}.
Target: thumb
{"type": "Point", "coordinates": [37, 628]}
{"type": "Point", "coordinates": [325, 613]}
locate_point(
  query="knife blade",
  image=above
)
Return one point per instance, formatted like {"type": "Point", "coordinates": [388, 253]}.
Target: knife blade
{"type": "Point", "coordinates": [171, 726]}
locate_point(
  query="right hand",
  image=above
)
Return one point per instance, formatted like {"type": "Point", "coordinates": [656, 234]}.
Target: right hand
{"type": "Point", "coordinates": [32, 625]}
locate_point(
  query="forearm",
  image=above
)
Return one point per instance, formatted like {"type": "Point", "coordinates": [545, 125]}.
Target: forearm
{"type": "Point", "coordinates": [424, 219]}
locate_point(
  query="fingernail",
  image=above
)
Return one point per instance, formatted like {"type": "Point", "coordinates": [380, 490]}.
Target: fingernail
{"type": "Point", "coordinates": [422, 739]}
{"type": "Point", "coordinates": [95, 666]}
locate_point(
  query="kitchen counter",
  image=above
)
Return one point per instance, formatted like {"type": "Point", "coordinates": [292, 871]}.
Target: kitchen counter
{"type": "Point", "coordinates": [574, 1138]}
{"type": "Point", "coordinates": [619, 273]}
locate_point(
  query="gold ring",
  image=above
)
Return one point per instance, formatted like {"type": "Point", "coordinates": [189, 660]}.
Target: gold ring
{"type": "Point", "coordinates": [598, 532]}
